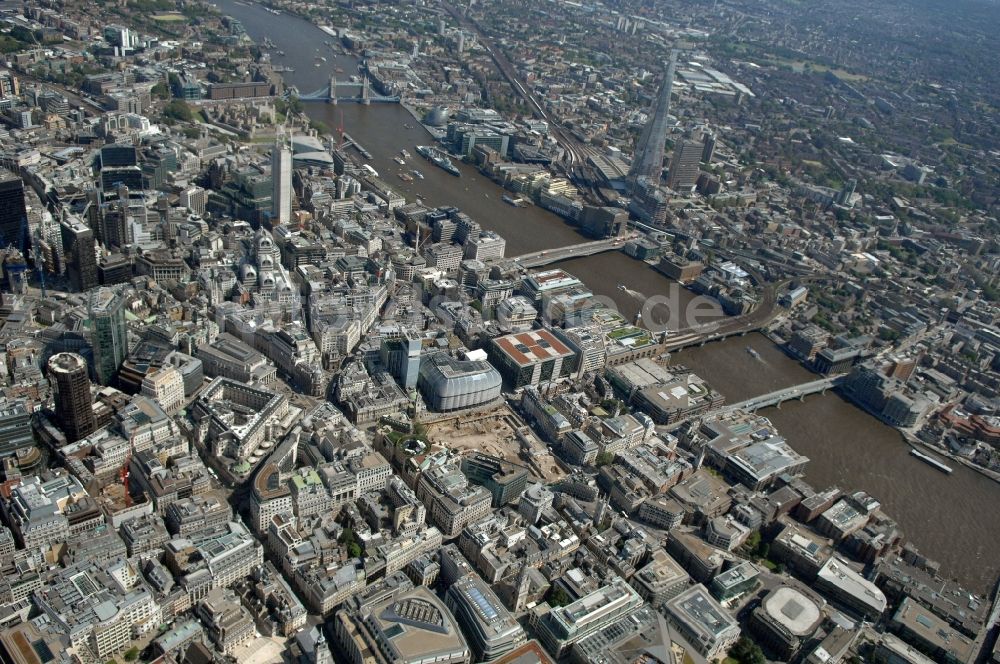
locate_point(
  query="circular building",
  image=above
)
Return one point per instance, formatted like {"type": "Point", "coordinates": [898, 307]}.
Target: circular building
{"type": "Point", "coordinates": [785, 620]}
{"type": "Point", "coordinates": [437, 116]}
{"type": "Point", "coordinates": [74, 404]}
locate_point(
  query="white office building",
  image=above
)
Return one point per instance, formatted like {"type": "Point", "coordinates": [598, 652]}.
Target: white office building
{"type": "Point", "coordinates": [281, 177]}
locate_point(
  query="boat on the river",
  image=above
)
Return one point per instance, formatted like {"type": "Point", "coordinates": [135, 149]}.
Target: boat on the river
{"type": "Point", "coordinates": [404, 154]}
{"type": "Point", "coordinates": [405, 177]}
{"type": "Point", "coordinates": [399, 160]}
{"type": "Point", "coordinates": [438, 158]}
{"type": "Point", "coordinates": [754, 354]}
{"type": "Point", "coordinates": [931, 461]}
{"type": "Point", "coordinates": [417, 174]}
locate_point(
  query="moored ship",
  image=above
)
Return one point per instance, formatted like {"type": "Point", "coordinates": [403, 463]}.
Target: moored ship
{"type": "Point", "coordinates": [438, 158]}
{"type": "Point", "coordinates": [931, 461]}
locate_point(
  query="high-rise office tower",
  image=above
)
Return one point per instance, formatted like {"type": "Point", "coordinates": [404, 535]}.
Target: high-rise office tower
{"type": "Point", "coordinates": [109, 335]}
{"type": "Point", "coordinates": [13, 214]}
{"type": "Point", "coordinates": [74, 405]}
{"type": "Point", "coordinates": [118, 216]}
{"type": "Point", "coordinates": [49, 238]}
{"type": "Point", "coordinates": [79, 250]}
{"type": "Point", "coordinates": [683, 174]}
{"type": "Point", "coordinates": [281, 178]}
{"type": "Point", "coordinates": [120, 166]}
{"type": "Point", "coordinates": [110, 219]}
{"type": "Point", "coordinates": [649, 202]}
{"type": "Point", "coordinates": [648, 159]}
{"type": "Point", "coordinates": [402, 358]}
{"type": "Point", "coordinates": [708, 147]}
{"type": "Point", "coordinates": [194, 199]}
{"type": "Point", "coordinates": [846, 192]}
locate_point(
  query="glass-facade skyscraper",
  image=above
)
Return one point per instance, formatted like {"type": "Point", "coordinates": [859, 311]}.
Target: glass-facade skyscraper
{"type": "Point", "coordinates": [109, 336]}
{"type": "Point", "coordinates": [13, 214]}
{"type": "Point", "coordinates": [74, 405]}
{"type": "Point", "coordinates": [648, 160]}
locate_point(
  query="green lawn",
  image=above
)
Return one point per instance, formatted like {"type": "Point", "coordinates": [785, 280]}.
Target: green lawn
{"type": "Point", "coordinates": [9, 44]}
{"type": "Point", "coordinates": [627, 332]}
{"type": "Point", "coordinates": [801, 66]}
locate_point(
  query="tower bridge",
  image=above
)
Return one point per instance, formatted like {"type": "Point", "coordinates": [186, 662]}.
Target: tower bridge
{"type": "Point", "coordinates": [348, 91]}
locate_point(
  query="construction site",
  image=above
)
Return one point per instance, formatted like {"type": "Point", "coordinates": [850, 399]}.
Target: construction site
{"type": "Point", "coordinates": [498, 432]}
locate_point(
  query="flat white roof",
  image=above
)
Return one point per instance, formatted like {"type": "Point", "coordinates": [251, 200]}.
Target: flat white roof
{"type": "Point", "coordinates": [793, 610]}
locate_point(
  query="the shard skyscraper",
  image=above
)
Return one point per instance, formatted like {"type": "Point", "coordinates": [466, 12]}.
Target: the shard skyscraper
{"type": "Point", "coordinates": [648, 159]}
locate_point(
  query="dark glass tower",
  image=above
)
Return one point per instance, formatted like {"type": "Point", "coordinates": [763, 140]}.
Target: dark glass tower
{"type": "Point", "coordinates": [78, 246]}
{"type": "Point", "coordinates": [13, 214]}
{"type": "Point", "coordinates": [74, 406]}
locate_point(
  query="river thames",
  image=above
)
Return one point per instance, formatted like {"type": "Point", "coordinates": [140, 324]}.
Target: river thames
{"type": "Point", "coordinates": [951, 518]}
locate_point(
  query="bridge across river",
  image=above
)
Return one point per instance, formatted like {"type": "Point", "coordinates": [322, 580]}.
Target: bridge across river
{"type": "Point", "coordinates": [763, 313]}
{"type": "Point", "coordinates": [549, 256]}
{"type": "Point", "coordinates": [777, 397]}
{"type": "Point", "coordinates": [348, 91]}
